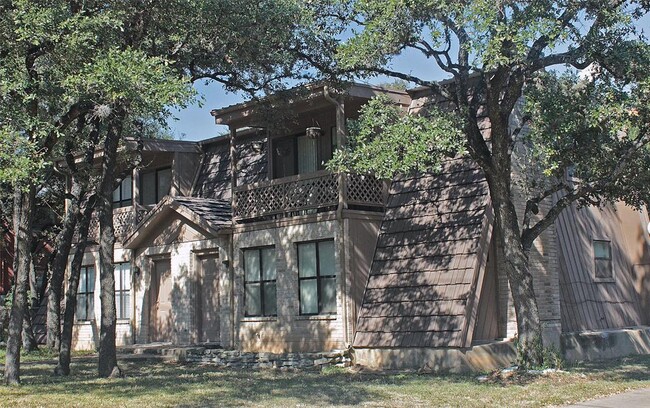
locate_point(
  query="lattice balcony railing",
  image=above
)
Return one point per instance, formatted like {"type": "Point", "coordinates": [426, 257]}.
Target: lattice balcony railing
{"type": "Point", "coordinates": [124, 221]}
{"type": "Point", "coordinates": [299, 194]}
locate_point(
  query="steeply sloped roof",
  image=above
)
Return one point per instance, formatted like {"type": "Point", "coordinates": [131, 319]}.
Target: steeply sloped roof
{"type": "Point", "coordinates": [212, 216]}
{"type": "Point", "coordinates": [428, 266]}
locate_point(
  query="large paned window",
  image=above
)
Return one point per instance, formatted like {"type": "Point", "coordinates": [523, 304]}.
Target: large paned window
{"type": "Point", "coordinates": [123, 290]}
{"type": "Point", "coordinates": [86, 294]}
{"type": "Point", "coordinates": [603, 260]}
{"type": "Point", "coordinates": [154, 185]}
{"type": "Point", "coordinates": [260, 282]}
{"type": "Point", "coordinates": [317, 277]}
{"type": "Point", "coordinates": [123, 194]}
{"type": "Point", "coordinates": [301, 154]}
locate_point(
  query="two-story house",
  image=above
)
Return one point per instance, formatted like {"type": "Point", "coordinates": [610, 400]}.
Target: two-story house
{"type": "Point", "coordinates": [248, 242]}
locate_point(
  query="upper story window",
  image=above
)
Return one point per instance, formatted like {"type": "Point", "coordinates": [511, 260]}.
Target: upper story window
{"type": "Point", "coordinates": [154, 185]}
{"type": "Point", "coordinates": [260, 282]}
{"type": "Point", "coordinates": [123, 194]}
{"type": "Point", "coordinates": [603, 260]}
{"type": "Point", "coordinates": [317, 277]}
{"type": "Point", "coordinates": [86, 294]}
{"type": "Point", "coordinates": [300, 154]}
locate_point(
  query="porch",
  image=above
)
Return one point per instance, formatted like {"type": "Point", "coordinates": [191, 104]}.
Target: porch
{"type": "Point", "coordinates": [308, 193]}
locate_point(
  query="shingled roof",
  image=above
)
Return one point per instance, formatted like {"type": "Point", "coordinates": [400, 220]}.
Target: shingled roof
{"type": "Point", "coordinates": [428, 267]}
{"type": "Point", "coordinates": [210, 215]}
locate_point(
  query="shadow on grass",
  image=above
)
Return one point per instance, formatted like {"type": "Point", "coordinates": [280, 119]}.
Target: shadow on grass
{"type": "Point", "coordinates": [166, 384]}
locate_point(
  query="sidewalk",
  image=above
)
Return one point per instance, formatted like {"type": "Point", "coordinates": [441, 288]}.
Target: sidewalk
{"type": "Point", "coordinates": [632, 399]}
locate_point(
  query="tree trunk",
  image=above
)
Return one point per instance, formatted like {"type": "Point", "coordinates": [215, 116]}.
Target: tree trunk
{"type": "Point", "coordinates": [63, 245]}
{"type": "Point", "coordinates": [63, 366]}
{"type": "Point", "coordinates": [23, 217]}
{"type": "Point", "coordinates": [29, 339]}
{"type": "Point", "coordinates": [518, 274]}
{"type": "Point", "coordinates": [107, 351]}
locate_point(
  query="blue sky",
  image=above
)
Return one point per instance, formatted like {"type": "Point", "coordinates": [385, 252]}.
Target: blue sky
{"type": "Point", "coordinates": [196, 123]}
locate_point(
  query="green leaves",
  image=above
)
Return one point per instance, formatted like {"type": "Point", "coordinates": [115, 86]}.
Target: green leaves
{"type": "Point", "coordinates": [385, 141]}
{"type": "Point", "coordinates": [599, 128]}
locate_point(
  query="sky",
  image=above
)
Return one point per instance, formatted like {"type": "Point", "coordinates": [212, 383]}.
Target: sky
{"type": "Point", "coordinates": [196, 123]}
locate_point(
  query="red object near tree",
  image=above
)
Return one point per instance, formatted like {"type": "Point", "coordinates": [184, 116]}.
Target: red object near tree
{"type": "Point", "coordinates": [6, 258]}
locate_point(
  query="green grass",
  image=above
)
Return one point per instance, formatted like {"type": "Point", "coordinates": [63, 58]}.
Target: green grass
{"type": "Point", "coordinates": [149, 383]}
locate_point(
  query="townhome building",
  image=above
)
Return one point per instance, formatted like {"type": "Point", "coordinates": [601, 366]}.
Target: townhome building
{"type": "Point", "coordinates": [248, 242]}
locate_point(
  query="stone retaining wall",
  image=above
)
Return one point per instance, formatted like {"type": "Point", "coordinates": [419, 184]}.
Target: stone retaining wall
{"type": "Point", "coordinates": [287, 361]}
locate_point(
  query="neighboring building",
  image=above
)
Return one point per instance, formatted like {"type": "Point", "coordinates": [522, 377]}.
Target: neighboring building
{"type": "Point", "coordinates": [6, 258]}
{"type": "Point", "coordinates": [246, 241]}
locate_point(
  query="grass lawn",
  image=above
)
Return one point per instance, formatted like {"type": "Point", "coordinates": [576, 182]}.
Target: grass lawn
{"type": "Point", "coordinates": [150, 383]}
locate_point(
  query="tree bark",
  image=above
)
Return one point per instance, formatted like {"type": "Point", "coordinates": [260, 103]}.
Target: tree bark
{"type": "Point", "coordinates": [107, 351]}
{"type": "Point", "coordinates": [518, 273]}
{"type": "Point", "coordinates": [63, 246]}
{"type": "Point", "coordinates": [23, 217]}
{"type": "Point", "coordinates": [63, 365]}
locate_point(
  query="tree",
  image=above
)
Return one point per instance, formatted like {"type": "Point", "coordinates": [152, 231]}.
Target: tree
{"type": "Point", "coordinates": [121, 63]}
{"type": "Point", "coordinates": [493, 52]}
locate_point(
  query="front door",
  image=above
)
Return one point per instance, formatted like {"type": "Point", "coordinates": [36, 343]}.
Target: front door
{"type": "Point", "coordinates": [160, 318]}
{"type": "Point", "coordinates": [208, 305]}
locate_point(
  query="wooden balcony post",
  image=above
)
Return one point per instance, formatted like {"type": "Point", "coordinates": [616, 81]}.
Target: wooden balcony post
{"type": "Point", "coordinates": [233, 169]}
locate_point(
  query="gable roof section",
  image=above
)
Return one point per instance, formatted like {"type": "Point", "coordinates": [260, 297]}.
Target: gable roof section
{"type": "Point", "coordinates": [428, 267]}
{"type": "Point", "coordinates": [211, 216]}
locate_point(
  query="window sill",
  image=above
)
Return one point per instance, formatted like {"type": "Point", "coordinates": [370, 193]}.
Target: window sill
{"type": "Point", "coordinates": [317, 317]}
{"type": "Point", "coordinates": [252, 319]}
{"type": "Point", "coordinates": [84, 322]}
{"type": "Point", "coordinates": [604, 280]}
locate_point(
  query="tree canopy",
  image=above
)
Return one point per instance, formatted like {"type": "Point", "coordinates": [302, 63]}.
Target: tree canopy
{"type": "Point", "coordinates": [493, 53]}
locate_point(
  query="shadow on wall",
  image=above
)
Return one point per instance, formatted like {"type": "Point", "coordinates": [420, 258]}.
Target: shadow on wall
{"type": "Point", "coordinates": [588, 304]}
{"type": "Point", "coordinates": [420, 292]}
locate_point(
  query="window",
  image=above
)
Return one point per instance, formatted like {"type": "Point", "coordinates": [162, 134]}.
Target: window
{"type": "Point", "coordinates": [301, 154]}
{"type": "Point", "coordinates": [317, 277]}
{"type": "Point", "coordinates": [603, 260]}
{"type": "Point", "coordinates": [86, 294]}
{"type": "Point", "coordinates": [123, 290]}
{"type": "Point", "coordinates": [155, 185]}
{"type": "Point", "coordinates": [259, 282]}
{"type": "Point", "coordinates": [123, 194]}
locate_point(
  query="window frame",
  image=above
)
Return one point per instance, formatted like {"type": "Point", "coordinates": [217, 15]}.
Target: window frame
{"type": "Point", "coordinates": [262, 282]}
{"type": "Point", "coordinates": [156, 183]}
{"type": "Point", "coordinates": [318, 279]}
{"type": "Point", "coordinates": [122, 202]}
{"type": "Point", "coordinates": [293, 138]}
{"type": "Point", "coordinates": [610, 260]}
{"type": "Point", "coordinates": [119, 294]}
{"type": "Point", "coordinates": [87, 294]}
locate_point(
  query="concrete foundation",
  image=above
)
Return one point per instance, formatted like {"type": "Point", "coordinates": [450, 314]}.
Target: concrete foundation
{"type": "Point", "coordinates": [485, 357]}
{"type": "Point", "coordinates": [598, 345]}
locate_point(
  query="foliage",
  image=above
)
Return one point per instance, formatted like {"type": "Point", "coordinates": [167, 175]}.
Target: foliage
{"type": "Point", "coordinates": [491, 52]}
{"type": "Point", "coordinates": [543, 357]}
{"type": "Point", "coordinates": [406, 141]}
{"type": "Point", "coordinates": [599, 130]}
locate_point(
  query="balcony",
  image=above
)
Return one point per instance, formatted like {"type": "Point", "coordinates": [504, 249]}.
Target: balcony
{"type": "Point", "coordinates": [124, 221]}
{"type": "Point", "coordinates": [307, 193]}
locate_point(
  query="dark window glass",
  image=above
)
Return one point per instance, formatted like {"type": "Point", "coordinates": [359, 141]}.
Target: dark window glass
{"type": "Point", "coordinates": [155, 185]}
{"type": "Point", "coordinates": [123, 290]}
{"type": "Point", "coordinates": [260, 282]}
{"type": "Point", "coordinates": [301, 154]}
{"type": "Point", "coordinates": [123, 194]}
{"type": "Point", "coordinates": [603, 259]}
{"type": "Point", "coordinates": [86, 294]}
{"type": "Point", "coordinates": [317, 277]}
